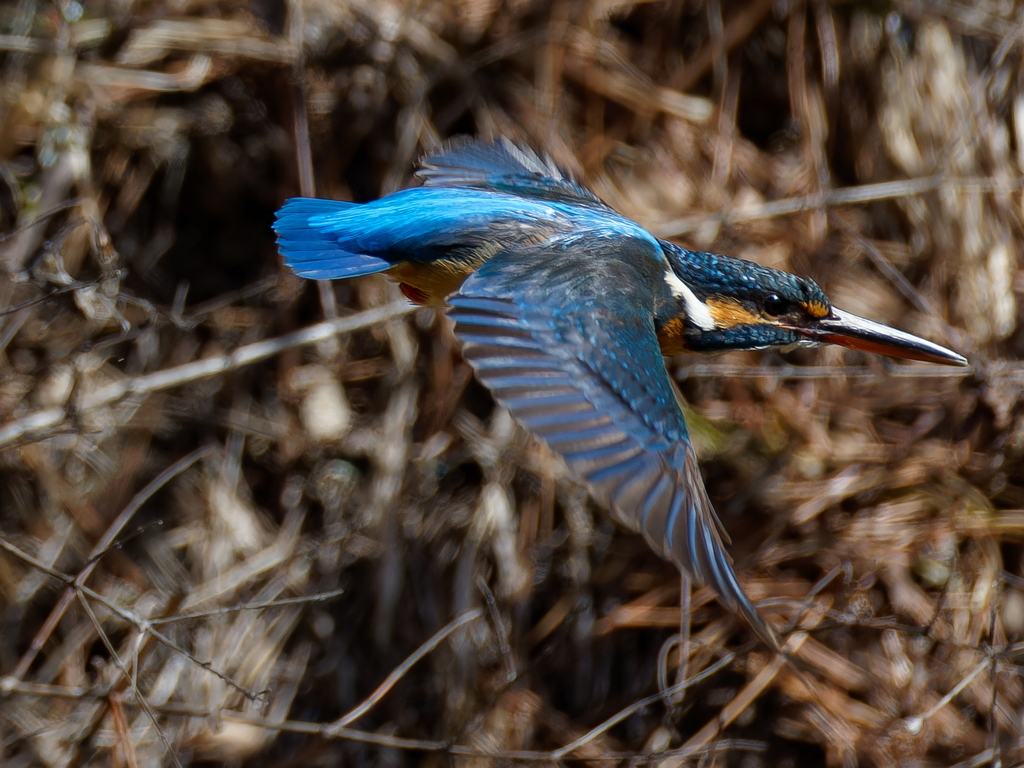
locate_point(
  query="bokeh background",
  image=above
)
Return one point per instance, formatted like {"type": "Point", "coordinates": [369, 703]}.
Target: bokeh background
{"type": "Point", "coordinates": [233, 503]}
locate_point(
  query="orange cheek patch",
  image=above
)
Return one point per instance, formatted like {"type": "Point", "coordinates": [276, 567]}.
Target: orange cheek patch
{"type": "Point", "coordinates": [728, 313]}
{"type": "Point", "coordinates": [816, 309]}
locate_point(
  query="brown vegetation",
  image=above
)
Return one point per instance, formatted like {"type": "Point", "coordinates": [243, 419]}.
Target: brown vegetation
{"type": "Point", "coordinates": [232, 506]}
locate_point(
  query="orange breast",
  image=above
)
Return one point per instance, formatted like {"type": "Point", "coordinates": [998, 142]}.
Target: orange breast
{"type": "Point", "coordinates": [430, 283]}
{"type": "Point", "coordinates": [670, 337]}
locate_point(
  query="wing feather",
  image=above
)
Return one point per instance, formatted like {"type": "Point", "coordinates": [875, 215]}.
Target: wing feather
{"type": "Point", "coordinates": [580, 367]}
{"type": "Point", "coordinates": [502, 166]}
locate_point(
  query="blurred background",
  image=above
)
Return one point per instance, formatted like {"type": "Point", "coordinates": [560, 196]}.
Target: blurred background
{"type": "Point", "coordinates": [232, 503]}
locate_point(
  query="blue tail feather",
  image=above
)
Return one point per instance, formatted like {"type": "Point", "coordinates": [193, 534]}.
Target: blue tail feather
{"type": "Point", "coordinates": [328, 239]}
{"type": "Point", "coordinates": [314, 253]}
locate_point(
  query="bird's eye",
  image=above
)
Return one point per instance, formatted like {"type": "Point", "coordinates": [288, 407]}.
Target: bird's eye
{"type": "Point", "coordinates": [775, 305]}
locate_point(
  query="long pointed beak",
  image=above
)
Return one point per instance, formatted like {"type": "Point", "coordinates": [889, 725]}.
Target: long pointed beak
{"type": "Point", "coordinates": [849, 330]}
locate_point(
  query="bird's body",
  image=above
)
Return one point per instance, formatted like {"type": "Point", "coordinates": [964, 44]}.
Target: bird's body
{"type": "Point", "coordinates": [430, 238]}
{"type": "Point", "coordinates": [565, 309]}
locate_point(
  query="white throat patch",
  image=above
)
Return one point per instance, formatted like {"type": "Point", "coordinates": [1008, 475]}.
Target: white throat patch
{"type": "Point", "coordinates": [697, 311]}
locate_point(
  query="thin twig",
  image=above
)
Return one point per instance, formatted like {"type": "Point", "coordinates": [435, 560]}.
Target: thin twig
{"type": "Point", "coordinates": [275, 603]}
{"type": "Point", "coordinates": [865, 193]}
{"type": "Point", "coordinates": [637, 706]}
{"type": "Point", "coordinates": [914, 723]}
{"type": "Point", "coordinates": [131, 679]}
{"type": "Point", "coordinates": [143, 625]}
{"type": "Point", "coordinates": [897, 278]}
{"type": "Point", "coordinates": [40, 218]}
{"type": "Point", "coordinates": [52, 418]}
{"type": "Point", "coordinates": [101, 547]}
{"type": "Point", "coordinates": [499, 628]}
{"type": "Point", "coordinates": [303, 146]}
{"type": "Point", "coordinates": [399, 672]}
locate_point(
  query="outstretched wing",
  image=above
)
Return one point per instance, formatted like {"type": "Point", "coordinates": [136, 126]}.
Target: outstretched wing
{"type": "Point", "coordinates": [501, 166]}
{"type": "Point", "coordinates": [566, 341]}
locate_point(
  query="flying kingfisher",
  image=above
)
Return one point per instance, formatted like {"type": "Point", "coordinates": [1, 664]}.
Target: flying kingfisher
{"type": "Point", "coordinates": [565, 310]}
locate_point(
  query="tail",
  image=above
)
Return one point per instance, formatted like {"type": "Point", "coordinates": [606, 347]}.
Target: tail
{"type": "Point", "coordinates": [312, 248]}
{"type": "Point", "coordinates": [326, 239]}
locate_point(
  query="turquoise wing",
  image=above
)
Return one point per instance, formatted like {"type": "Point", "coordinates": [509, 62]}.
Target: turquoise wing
{"type": "Point", "coordinates": [568, 345]}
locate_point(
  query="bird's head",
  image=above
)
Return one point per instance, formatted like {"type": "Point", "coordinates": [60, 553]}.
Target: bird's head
{"type": "Point", "coordinates": [730, 304]}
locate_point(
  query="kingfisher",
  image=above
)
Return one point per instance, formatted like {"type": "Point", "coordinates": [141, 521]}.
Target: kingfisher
{"type": "Point", "coordinates": [566, 310]}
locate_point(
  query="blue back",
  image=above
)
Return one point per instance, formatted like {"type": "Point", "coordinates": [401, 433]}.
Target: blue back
{"type": "Point", "coordinates": [476, 199]}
